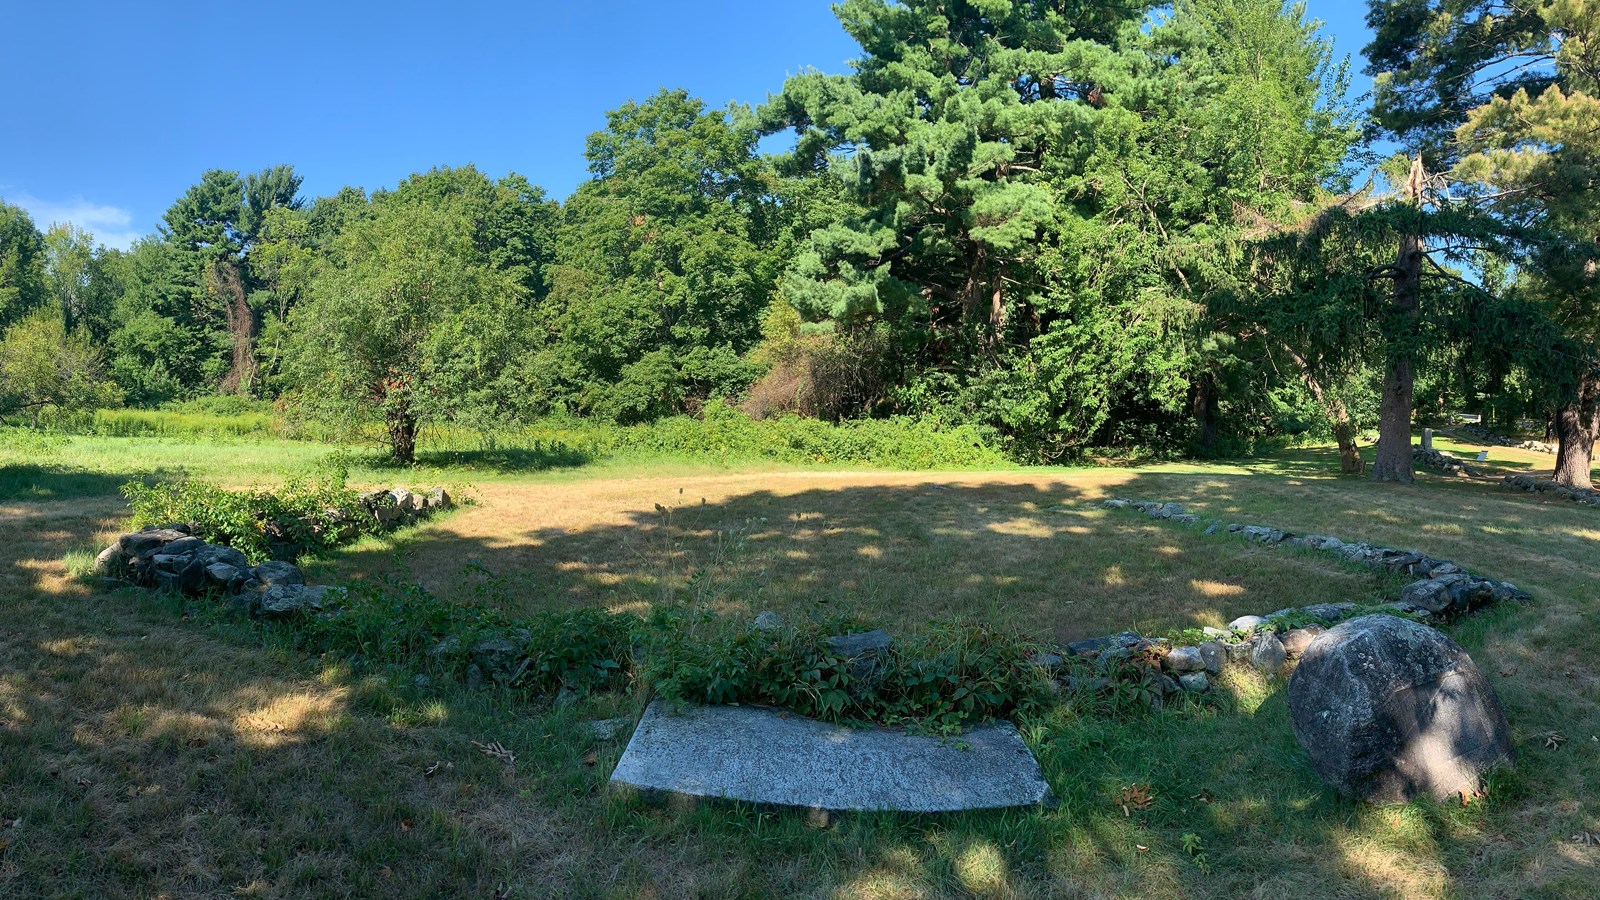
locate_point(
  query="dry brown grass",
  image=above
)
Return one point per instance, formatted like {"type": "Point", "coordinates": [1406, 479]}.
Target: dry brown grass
{"type": "Point", "coordinates": [1027, 549]}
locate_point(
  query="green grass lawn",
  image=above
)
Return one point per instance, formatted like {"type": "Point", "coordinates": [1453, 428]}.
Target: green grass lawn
{"type": "Point", "coordinates": [148, 749]}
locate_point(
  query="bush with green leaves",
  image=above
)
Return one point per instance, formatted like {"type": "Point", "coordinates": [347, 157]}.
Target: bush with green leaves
{"type": "Point", "coordinates": [303, 516]}
{"type": "Point", "coordinates": [955, 675]}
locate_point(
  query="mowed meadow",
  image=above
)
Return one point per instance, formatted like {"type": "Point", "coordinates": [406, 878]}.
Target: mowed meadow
{"type": "Point", "coordinates": [154, 748]}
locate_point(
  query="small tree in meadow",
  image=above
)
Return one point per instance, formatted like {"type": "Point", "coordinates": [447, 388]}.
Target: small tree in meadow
{"type": "Point", "coordinates": [404, 323]}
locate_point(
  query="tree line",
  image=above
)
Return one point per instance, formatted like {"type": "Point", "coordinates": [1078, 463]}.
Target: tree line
{"type": "Point", "coordinates": [1077, 226]}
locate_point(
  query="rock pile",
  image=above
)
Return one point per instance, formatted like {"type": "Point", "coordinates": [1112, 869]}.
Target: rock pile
{"type": "Point", "coordinates": [1544, 485]}
{"type": "Point", "coordinates": [1441, 461]}
{"type": "Point", "coordinates": [400, 507]}
{"type": "Point", "coordinates": [1488, 437]}
{"type": "Point", "coordinates": [1444, 588]}
{"type": "Point", "coordinates": [171, 559]}
{"type": "Point", "coordinates": [1273, 642]}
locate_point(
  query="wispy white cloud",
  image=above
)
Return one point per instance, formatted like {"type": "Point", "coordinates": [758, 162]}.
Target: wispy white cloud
{"type": "Point", "coordinates": [111, 225]}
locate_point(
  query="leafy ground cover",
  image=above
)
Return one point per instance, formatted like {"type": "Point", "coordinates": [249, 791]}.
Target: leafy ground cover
{"type": "Point", "coordinates": [148, 748]}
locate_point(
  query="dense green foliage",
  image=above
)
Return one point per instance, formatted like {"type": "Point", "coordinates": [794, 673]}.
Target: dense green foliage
{"type": "Point", "coordinates": [1055, 228]}
{"type": "Point", "coordinates": [954, 675]}
{"type": "Point", "coordinates": [286, 522]}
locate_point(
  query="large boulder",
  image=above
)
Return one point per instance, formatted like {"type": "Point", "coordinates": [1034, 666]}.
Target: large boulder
{"type": "Point", "coordinates": [1390, 709]}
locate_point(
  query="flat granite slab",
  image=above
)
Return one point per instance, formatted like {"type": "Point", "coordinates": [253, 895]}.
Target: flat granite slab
{"type": "Point", "coordinates": [760, 755]}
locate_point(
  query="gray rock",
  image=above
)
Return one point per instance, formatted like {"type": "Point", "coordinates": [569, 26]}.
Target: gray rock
{"type": "Point", "coordinates": [224, 575]}
{"type": "Point", "coordinates": [1238, 651]}
{"type": "Point", "coordinates": [1235, 528]}
{"type": "Point", "coordinates": [405, 501]}
{"type": "Point", "coordinates": [606, 729]}
{"type": "Point", "coordinates": [1430, 594]}
{"type": "Point", "coordinates": [164, 562]}
{"type": "Point", "coordinates": [283, 601]}
{"type": "Point", "coordinates": [1047, 660]}
{"type": "Point", "coordinates": [177, 574]}
{"type": "Point", "coordinates": [1120, 640]}
{"type": "Point", "coordinates": [1506, 591]}
{"type": "Point", "coordinates": [1389, 709]}
{"type": "Point", "coordinates": [859, 643]}
{"type": "Point", "coordinates": [498, 658]}
{"type": "Point", "coordinates": [272, 574]}
{"type": "Point", "coordinates": [767, 620]}
{"type": "Point", "coordinates": [184, 546]}
{"type": "Point", "coordinates": [147, 541]}
{"type": "Point", "coordinates": [1184, 659]}
{"type": "Point", "coordinates": [1267, 653]}
{"type": "Point", "coordinates": [1214, 527]}
{"type": "Point", "coordinates": [865, 650]}
{"type": "Point", "coordinates": [111, 561]}
{"type": "Point", "coordinates": [1087, 684]}
{"type": "Point", "coordinates": [1327, 612]}
{"type": "Point", "coordinates": [1212, 632]}
{"type": "Point", "coordinates": [1296, 641]}
{"type": "Point", "coordinates": [1195, 682]}
{"type": "Point", "coordinates": [1116, 503]}
{"type": "Point", "coordinates": [1247, 623]}
{"type": "Point", "coordinates": [1444, 568]}
{"type": "Point", "coordinates": [762, 756]}
{"type": "Point", "coordinates": [1214, 655]}
{"type": "Point", "coordinates": [212, 554]}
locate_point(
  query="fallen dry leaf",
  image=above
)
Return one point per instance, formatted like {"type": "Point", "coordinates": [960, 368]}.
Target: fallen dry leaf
{"type": "Point", "coordinates": [496, 750]}
{"type": "Point", "coordinates": [1135, 797]}
{"type": "Point", "coordinates": [405, 824]}
{"type": "Point", "coordinates": [591, 758]}
{"type": "Point", "coordinates": [436, 768]}
{"type": "Point", "coordinates": [1509, 671]}
{"type": "Point", "coordinates": [1141, 848]}
{"type": "Point", "coordinates": [1554, 740]}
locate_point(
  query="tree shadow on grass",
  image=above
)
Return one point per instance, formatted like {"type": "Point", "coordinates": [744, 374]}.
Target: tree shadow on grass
{"type": "Point", "coordinates": [29, 482]}
{"type": "Point", "coordinates": [1039, 557]}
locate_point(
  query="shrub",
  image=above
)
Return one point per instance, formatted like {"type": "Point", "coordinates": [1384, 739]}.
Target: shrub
{"type": "Point", "coordinates": [958, 674]}
{"type": "Point", "coordinates": [304, 515]}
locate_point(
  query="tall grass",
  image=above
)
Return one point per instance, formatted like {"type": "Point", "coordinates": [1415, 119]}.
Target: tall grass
{"type": "Point", "coordinates": [721, 435]}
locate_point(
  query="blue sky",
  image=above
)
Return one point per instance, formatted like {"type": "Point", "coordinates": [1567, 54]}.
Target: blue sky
{"type": "Point", "coordinates": [113, 109]}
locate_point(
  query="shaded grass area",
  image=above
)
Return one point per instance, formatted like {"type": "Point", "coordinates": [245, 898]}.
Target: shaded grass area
{"type": "Point", "coordinates": [150, 749]}
{"type": "Point", "coordinates": [1028, 552]}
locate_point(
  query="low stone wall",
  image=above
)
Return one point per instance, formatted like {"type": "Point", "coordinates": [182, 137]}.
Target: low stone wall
{"type": "Point", "coordinates": [1488, 437]}
{"type": "Point", "coordinates": [172, 560]}
{"type": "Point", "coordinates": [1273, 642]}
{"type": "Point", "coordinates": [1443, 462]}
{"type": "Point", "coordinates": [1545, 486]}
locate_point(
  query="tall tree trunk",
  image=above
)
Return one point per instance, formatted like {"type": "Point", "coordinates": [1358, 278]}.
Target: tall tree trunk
{"type": "Point", "coordinates": [241, 326]}
{"type": "Point", "coordinates": [1205, 412]}
{"type": "Point", "coordinates": [402, 437]}
{"type": "Point", "coordinates": [1344, 430]}
{"type": "Point", "coordinates": [1577, 425]}
{"type": "Point", "coordinates": [1393, 462]}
